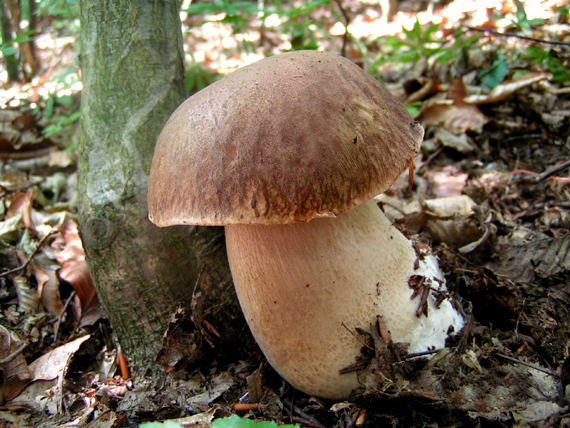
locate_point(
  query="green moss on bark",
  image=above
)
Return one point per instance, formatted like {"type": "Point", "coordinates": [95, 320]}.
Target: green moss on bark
{"type": "Point", "coordinates": [133, 79]}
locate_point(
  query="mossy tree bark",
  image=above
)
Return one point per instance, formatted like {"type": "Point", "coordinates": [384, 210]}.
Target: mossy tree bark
{"type": "Point", "coordinates": [133, 78]}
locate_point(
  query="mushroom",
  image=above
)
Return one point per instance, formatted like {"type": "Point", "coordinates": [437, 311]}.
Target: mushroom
{"type": "Point", "coordinates": [287, 154]}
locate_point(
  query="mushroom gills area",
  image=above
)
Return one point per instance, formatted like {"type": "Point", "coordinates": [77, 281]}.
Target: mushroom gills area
{"type": "Point", "coordinates": [304, 288]}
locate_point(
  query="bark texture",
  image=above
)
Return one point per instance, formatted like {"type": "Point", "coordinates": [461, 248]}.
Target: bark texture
{"type": "Point", "coordinates": [133, 79]}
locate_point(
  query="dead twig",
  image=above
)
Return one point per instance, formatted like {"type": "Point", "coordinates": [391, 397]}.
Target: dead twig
{"type": "Point", "coordinates": [416, 355]}
{"type": "Point", "coordinates": [27, 262]}
{"type": "Point", "coordinates": [61, 314]}
{"type": "Point", "coordinates": [518, 36]}
{"type": "Point", "coordinates": [345, 24]}
{"type": "Point", "coordinates": [554, 170]}
{"type": "Point", "coordinates": [302, 421]}
{"type": "Point", "coordinates": [305, 419]}
{"type": "Point", "coordinates": [532, 366]}
{"type": "Point", "coordinates": [14, 354]}
{"type": "Point", "coordinates": [356, 367]}
{"type": "Point", "coordinates": [357, 337]}
{"type": "Point", "coordinates": [430, 158]}
{"type": "Point", "coordinates": [535, 174]}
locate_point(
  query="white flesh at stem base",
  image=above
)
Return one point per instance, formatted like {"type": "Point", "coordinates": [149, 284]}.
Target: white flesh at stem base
{"type": "Point", "coordinates": [305, 287]}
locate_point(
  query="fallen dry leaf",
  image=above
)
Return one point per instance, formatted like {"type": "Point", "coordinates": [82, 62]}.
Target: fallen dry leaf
{"type": "Point", "coordinates": [201, 420]}
{"type": "Point", "coordinates": [419, 89]}
{"type": "Point", "coordinates": [452, 220]}
{"type": "Point", "coordinates": [460, 142]}
{"type": "Point", "coordinates": [506, 89]}
{"type": "Point", "coordinates": [457, 90]}
{"type": "Point", "coordinates": [527, 256]}
{"type": "Point", "coordinates": [45, 391]}
{"type": "Point", "coordinates": [48, 289]}
{"type": "Point", "coordinates": [457, 232]}
{"type": "Point", "coordinates": [15, 180]}
{"type": "Point", "coordinates": [447, 181]}
{"type": "Point", "coordinates": [451, 206]}
{"type": "Point", "coordinates": [22, 201]}
{"type": "Point", "coordinates": [9, 229]}
{"type": "Point", "coordinates": [16, 372]}
{"type": "Point", "coordinates": [110, 419]}
{"type": "Point", "coordinates": [28, 297]}
{"type": "Point", "coordinates": [20, 138]}
{"type": "Point", "coordinates": [60, 158]}
{"type": "Point", "coordinates": [54, 363]}
{"type": "Point", "coordinates": [456, 116]}
{"type": "Point", "coordinates": [71, 257]}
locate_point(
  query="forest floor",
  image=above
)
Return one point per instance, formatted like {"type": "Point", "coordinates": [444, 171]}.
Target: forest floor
{"type": "Point", "coordinates": [491, 195]}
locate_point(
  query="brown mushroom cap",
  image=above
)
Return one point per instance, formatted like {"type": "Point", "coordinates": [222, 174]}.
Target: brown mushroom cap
{"type": "Point", "coordinates": [287, 139]}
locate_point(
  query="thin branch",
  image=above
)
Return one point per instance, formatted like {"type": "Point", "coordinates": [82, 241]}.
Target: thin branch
{"type": "Point", "coordinates": [532, 366]}
{"type": "Point", "coordinates": [535, 174]}
{"type": "Point", "coordinates": [25, 265]}
{"type": "Point", "coordinates": [14, 354]}
{"type": "Point", "coordinates": [305, 418]}
{"type": "Point", "coordinates": [357, 337]}
{"type": "Point", "coordinates": [418, 354]}
{"type": "Point", "coordinates": [345, 23]}
{"type": "Point", "coordinates": [303, 421]}
{"type": "Point", "coordinates": [553, 171]}
{"type": "Point", "coordinates": [518, 36]}
{"type": "Point", "coordinates": [60, 316]}
{"type": "Point", "coordinates": [430, 158]}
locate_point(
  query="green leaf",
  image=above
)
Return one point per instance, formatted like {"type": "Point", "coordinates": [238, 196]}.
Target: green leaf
{"type": "Point", "coordinates": [560, 73]}
{"type": "Point", "coordinates": [415, 108]}
{"type": "Point", "coordinates": [458, 48]}
{"type": "Point", "coordinates": [50, 105]}
{"type": "Point", "coordinates": [304, 9]}
{"type": "Point", "coordinates": [231, 422]}
{"type": "Point", "coordinates": [65, 100]}
{"type": "Point", "coordinates": [497, 73]}
{"type": "Point", "coordinates": [8, 50]}
{"type": "Point", "coordinates": [564, 11]}
{"type": "Point", "coordinates": [409, 34]}
{"type": "Point", "coordinates": [535, 21]}
{"type": "Point", "coordinates": [428, 33]}
{"type": "Point", "coordinates": [417, 30]}
{"type": "Point", "coordinates": [237, 422]}
{"type": "Point", "coordinates": [470, 40]}
{"type": "Point", "coordinates": [536, 52]}
{"type": "Point", "coordinates": [521, 13]}
{"type": "Point", "coordinates": [404, 57]}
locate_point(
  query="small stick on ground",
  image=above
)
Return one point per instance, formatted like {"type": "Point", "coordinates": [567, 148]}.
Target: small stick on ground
{"type": "Point", "coordinates": [298, 420]}
{"type": "Point", "coordinates": [27, 262]}
{"type": "Point", "coordinates": [305, 419]}
{"type": "Point", "coordinates": [532, 366]}
{"type": "Point", "coordinates": [552, 171]}
{"type": "Point", "coordinates": [61, 314]}
{"type": "Point", "coordinates": [14, 354]}
{"type": "Point", "coordinates": [518, 36]}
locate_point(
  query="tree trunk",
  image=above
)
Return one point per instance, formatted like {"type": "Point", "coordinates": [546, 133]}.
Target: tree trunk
{"type": "Point", "coordinates": [26, 43]}
{"type": "Point", "coordinates": [12, 65]}
{"type": "Point", "coordinates": [133, 78]}
{"type": "Point", "coordinates": [32, 27]}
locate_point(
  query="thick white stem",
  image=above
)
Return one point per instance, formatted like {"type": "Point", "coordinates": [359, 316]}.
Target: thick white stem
{"type": "Point", "coordinates": [305, 287]}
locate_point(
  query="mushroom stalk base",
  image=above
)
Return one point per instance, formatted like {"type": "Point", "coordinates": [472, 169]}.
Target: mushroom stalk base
{"type": "Point", "coordinates": [305, 288]}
